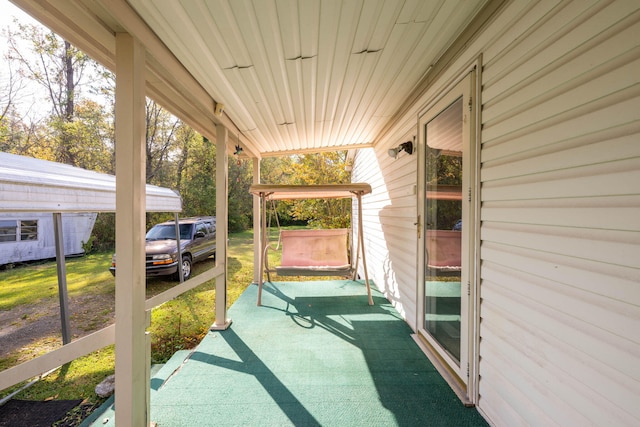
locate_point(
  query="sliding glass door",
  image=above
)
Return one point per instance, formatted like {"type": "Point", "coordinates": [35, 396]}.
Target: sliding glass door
{"type": "Point", "coordinates": [446, 228]}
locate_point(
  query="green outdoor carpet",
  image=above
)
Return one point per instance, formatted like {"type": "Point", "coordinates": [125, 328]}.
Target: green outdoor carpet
{"type": "Point", "coordinates": [314, 354]}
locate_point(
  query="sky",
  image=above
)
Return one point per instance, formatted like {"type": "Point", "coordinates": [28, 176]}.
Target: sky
{"type": "Point", "coordinates": [33, 102]}
{"type": "Point", "coordinates": [7, 12]}
{"type": "Point", "coordinates": [30, 97]}
{"type": "Point", "coordinates": [8, 9]}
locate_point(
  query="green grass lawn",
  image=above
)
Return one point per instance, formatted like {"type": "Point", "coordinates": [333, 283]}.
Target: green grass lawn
{"type": "Point", "coordinates": [39, 282]}
{"type": "Point", "coordinates": [175, 325]}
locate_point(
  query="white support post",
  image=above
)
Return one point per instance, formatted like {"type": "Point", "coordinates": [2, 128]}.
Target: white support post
{"type": "Point", "coordinates": [257, 226]}
{"type": "Point", "coordinates": [263, 245]}
{"type": "Point", "coordinates": [222, 236]}
{"type": "Point", "coordinates": [362, 248]}
{"type": "Point", "coordinates": [132, 364]}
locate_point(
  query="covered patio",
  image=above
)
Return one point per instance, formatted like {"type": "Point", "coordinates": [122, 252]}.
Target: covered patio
{"type": "Point", "coordinates": [314, 353]}
{"type": "Point", "coordinates": [544, 99]}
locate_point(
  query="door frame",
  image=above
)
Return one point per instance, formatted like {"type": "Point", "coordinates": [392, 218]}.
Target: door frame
{"type": "Point", "coordinates": [463, 378]}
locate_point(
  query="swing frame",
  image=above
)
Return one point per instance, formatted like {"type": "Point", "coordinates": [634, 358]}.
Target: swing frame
{"type": "Point", "coordinates": [268, 192]}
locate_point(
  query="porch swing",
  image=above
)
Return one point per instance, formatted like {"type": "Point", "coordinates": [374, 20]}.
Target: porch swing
{"type": "Point", "coordinates": [312, 252]}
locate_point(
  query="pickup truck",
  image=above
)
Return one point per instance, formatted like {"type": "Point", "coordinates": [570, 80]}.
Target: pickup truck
{"type": "Point", "coordinates": [197, 242]}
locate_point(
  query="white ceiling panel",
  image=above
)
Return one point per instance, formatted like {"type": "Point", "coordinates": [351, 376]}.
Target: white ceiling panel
{"type": "Point", "coordinates": [307, 75]}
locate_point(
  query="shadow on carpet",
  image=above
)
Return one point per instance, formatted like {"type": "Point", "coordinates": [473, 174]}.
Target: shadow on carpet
{"type": "Point", "coordinates": [21, 413]}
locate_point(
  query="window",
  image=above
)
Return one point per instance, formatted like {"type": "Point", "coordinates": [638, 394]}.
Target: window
{"type": "Point", "coordinates": [29, 230]}
{"type": "Point", "coordinates": [14, 230]}
{"type": "Point", "coordinates": [8, 231]}
{"type": "Point", "coordinates": [202, 228]}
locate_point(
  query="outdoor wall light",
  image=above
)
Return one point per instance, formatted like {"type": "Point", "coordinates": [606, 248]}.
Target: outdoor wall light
{"type": "Point", "coordinates": [405, 146]}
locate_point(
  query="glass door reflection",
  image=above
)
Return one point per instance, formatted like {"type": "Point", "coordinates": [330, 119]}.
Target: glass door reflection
{"type": "Point", "coordinates": [443, 229]}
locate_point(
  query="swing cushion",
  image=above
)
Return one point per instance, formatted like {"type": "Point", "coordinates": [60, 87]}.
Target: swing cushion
{"type": "Point", "coordinates": [314, 252]}
{"type": "Point", "coordinates": [443, 249]}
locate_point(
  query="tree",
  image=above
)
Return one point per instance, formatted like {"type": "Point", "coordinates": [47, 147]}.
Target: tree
{"type": "Point", "coordinates": [443, 168]}
{"type": "Point", "coordinates": [58, 68]}
{"type": "Point", "coordinates": [197, 180]}
{"type": "Point", "coordinates": [308, 169]}
{"type": "Point", "coordinates": [90, 137]}
{"type": "Point", "coordinates": [240, 200]}
{"type": "Point", "coordinates": [161, 144]}
{"type": "Point", "coordinates": [15, 133]}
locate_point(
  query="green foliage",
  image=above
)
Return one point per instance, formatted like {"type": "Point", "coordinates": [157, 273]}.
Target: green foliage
{"type": "Point", "coordinates": [197, 184]}
{"type": "Point", "coordinates": [87, 141]}
{"type": "Point", "coordinates": [443, 169]}
{"type": "Point", "coordinates": [80, 132]}
{"type": "Point", "coordinates": [162, 145]}
{"type": "Point", "coordinates": [240, 200]}
{"type": "Point", "coordinates": [75, 380]}
{"type": "Point", "coordinates": [87, 246]}
{"type": "Point", "coordinates": [308, 169]}
{"type": "Point", "coordinates": [55, 62]}
{"type": "Point", "coordinates": [104, 232]}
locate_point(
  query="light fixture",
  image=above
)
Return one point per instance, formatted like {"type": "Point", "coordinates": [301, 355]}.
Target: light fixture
{"type": "Point", "coordinates": [405, 146]}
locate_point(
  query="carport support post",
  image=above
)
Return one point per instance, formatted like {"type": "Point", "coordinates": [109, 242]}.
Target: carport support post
{"type": "Point", "coordinates": [222, 236]}
{"type": "Point", "coordinates": [132, 365]}
{"type": "Point", "coordinates": [62, 278]}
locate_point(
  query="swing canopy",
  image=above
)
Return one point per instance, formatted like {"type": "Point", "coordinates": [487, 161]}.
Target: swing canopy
{"type": "Point", "coordinates": [320, 191]}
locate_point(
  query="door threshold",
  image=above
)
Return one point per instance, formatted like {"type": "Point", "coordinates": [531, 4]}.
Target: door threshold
{"type": "Point", "coordinates": [458, 387]}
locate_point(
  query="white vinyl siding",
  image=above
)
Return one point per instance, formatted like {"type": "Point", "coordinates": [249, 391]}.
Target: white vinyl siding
{"type": "Point", "coordinates": [76, 229]}
{"type": "Point", "coordinates": [388, 218]}
{"type": "Point", "coordinates": [559, 216]}
{"type": "Point", "coordinates": [560, 314]}
{"type": "Point", "coordinates": [560, 226]}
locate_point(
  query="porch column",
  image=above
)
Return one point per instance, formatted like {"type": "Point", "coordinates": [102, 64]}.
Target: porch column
{"type": "Point", "coordinates": [257, 226]}
{"type": "Point", "coordinates": [132, 365]}
{"type": "Point", "coordinates": [222, 220]}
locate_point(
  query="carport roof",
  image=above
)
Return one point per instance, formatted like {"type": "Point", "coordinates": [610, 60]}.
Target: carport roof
{"type": "Point", "coordinates": [34, 185]}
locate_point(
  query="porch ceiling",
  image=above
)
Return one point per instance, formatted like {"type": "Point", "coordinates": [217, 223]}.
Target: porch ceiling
{"type": "Point", "coordinates": [292, 76]}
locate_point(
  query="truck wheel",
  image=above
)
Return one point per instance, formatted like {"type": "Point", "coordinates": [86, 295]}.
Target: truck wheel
{"type": "Point", "coordinates": [186, 268]}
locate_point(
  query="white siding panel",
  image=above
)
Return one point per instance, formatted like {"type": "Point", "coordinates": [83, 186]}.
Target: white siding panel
{"type": "Point", "coordinates": [499, 410]}
{"type": "Point", "coordinates": [593, 213]}
{"type": "Point", "coordinates": [617, 109]}
{"type": "Point", "coordinates": [599, 147]}
{"type": "Point", "coordinates": [76, 229]}
{"type": "Point", "coordinates": [532, 348]}
{"type": "Point", "coordinates": [389, 216]}
{"type": "Point", "coordinates": [565, 321]}
{"type": "Point", "coordinates": [551, 396]}
{"type": "Point", "coordinates": [601, 279]}
{"type": "Point", "coordinates": [612, 247]}
{"type": "Point", "coordinates": [560, 36]}
{"type": "Point", "coordinates": [560, 229]}
{"type": "Point", "coordinates": [598, 180]}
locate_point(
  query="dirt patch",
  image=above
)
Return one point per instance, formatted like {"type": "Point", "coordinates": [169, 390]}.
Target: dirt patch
{"type": "Point", "coordinates": [39, 326]}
